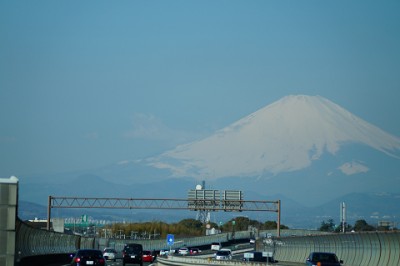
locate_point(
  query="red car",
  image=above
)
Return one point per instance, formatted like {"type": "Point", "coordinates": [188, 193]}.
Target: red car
{"type": "Point", "coordinates": [147, 256]}
{"type": "Point", "coordinates": [194, 251]}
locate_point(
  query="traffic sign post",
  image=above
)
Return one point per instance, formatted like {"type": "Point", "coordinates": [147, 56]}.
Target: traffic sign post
{"type": "Point", "coordinates": [170, 241]}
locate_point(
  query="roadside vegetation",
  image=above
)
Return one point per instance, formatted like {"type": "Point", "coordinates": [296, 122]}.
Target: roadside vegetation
{"type": "Point", "coordinates": [185, 228]}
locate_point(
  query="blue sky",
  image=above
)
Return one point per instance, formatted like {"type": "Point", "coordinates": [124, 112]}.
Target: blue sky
{"type": "Point", "coordinates": [85, 84]}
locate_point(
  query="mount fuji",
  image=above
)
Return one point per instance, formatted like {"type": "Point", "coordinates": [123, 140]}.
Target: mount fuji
{"type": "Point", "coordinates": [289, 135]}
{"type": "Point", "coordinates": [304, 150]}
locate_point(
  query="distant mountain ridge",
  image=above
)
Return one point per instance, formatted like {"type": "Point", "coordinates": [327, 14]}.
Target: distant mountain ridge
{"type": "Point", "coordinates": [285, 136]}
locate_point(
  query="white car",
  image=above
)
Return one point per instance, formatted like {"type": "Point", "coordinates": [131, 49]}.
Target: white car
{"type": "Point", "coordinates": [216, 246]}
{"type": "Point", "coordinates": [164, 252]}
{"type": "Point", "coordinates": [110, 254]}
{"type": "Point", "coordinates": [223, 254]}
{"type": "Point", "coordinates": [183, 251]}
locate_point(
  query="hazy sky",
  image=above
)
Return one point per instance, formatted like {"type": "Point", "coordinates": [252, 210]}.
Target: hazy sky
{"type": "Point", "coordinates": [85, 84]}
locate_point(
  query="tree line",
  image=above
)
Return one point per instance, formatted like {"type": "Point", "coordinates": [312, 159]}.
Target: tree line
{"type": "Point", "coordinates": [185, 228]}
{"type": "Point", "coordinates": [359, 226]}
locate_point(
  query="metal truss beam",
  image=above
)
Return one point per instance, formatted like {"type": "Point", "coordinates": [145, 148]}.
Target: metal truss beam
{"type": "Point", "coordinates": [171, 204]}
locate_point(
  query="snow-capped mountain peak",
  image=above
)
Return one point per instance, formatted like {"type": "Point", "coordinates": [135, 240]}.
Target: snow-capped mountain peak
{"type": "Point", "coordinates": [284, 136]}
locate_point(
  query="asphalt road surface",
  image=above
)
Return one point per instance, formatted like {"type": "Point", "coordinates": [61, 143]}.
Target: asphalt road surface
{"type": "Point", "coordinates": [119, 263]}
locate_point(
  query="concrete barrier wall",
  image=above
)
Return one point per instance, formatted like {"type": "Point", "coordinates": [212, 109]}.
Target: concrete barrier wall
{"type": "Point", "coordinates": [187, 261]}
{"type": "Point", "coordinates": [355, 249]}
{"type": "Point", "coordinates": [8, 215]}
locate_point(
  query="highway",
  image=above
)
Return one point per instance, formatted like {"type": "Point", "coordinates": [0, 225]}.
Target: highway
{"type": "Point", "coordinates": [237, 257]}
{"type": "Point", "coordinates": [118, 262]}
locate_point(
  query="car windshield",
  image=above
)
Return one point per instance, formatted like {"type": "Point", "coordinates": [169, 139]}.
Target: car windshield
{"type": "Point", "coordinates": [323, 257]}
{"type": "Point", "coordinates": [109, 250]}
{"type": "Point", "coordinates": [89, 253]}
{"type": "Point", "coordinates": [223, 253]}
{"type": "Point", "coordinates": [133, 249]}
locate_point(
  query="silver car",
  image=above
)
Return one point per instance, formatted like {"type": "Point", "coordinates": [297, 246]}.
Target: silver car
{"type": "Point", "coordinates": [110, 254]}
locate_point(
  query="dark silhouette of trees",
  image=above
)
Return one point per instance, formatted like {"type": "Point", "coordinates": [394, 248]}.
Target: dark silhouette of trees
{"type": "Point", "coordinates": [244, 223]}
{"type": "Point", "coordinates": [271, 225]}
{"type": "Point", "coordinates": [362, 225]}
{"type": "Point", "coordinates": [328, 226]}
{"type": "Point", "coordinates": [359, 226]}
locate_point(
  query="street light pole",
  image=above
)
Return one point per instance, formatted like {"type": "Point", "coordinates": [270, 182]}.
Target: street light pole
{"type": "Point", "coordinates": [48, 214]}
{"type": "Point", "coordinates": [278, 229]}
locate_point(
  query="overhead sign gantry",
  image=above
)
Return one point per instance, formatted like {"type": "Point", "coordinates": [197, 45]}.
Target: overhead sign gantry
{"type": "Point", "coordinates": [214, 202]}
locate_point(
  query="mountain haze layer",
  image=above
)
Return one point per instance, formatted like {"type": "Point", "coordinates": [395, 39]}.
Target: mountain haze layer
{"type": "Point", "coordinates": [285, 136]}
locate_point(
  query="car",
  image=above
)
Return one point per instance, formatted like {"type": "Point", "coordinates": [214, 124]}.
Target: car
{"type": "Point", "coordinates": [183, 251]}
{"type": "Point", "coordinates": [323, 259]}
{"type": "Point", "coordinates": [216, 246]}
{"type": "Point", "coordinates": [164, 252]}
{"type": "Point", "coordinates": [172, 251]}
{"type": "Point", "coordinates": [258, 256]}
{"type": "Point", "coordinates": [223, 254]}
{"type": "Point", "coordinates": [194, 251]}
{"type": "Point", "coordinates": [148, 256]}
{"type": "Point", "coordinates": [92, 257]}
{"type": "Point", "coordinates": [110, 254]}
{"type": "Point", "coordinates": [132, 254]}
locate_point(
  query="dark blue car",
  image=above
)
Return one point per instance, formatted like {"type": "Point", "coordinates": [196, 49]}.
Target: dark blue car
{"type": "Point", "coordinates": [323, 259]}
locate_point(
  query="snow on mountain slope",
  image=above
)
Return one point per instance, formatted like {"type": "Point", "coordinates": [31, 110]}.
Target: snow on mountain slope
{"type": "Point", "coordinates": [285, 136]}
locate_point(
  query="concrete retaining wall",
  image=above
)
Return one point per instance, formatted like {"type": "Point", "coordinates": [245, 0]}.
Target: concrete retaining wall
{"type": "Point", "coordinates": [8, 215]}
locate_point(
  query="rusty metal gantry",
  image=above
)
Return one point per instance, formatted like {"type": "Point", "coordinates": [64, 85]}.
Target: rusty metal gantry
{"type": "Point", "coordinates": [171, 204]}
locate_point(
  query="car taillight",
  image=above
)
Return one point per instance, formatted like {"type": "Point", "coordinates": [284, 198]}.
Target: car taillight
{"type": "Point", "coordinates": [77, 259]}
{"type": "Point", "coordinates": [101, 260]}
